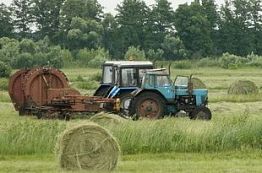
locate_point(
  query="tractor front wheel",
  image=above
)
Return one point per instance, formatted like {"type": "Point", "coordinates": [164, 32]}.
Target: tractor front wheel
{"type": "Point", "coordinates": [148, 105]}
{"type": "Point", "coordinates": [202, 113]}
{"type": "Point", "coordinates": [125, 100]}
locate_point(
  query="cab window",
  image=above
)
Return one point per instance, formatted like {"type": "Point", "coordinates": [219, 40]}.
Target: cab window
{"type": "Point", "coordinates": [129, 77]}
{"type": "Point", "coordinates": [162, 81]}
{"type": "Point", "coordinates": [107, 74]}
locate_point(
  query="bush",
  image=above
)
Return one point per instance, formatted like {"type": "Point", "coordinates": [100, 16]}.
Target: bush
{"type": "Point", "coordinates": [254, 60]}
{"type": "Point", "coordinates": [8, 49]}
{"type": "Point", "coordinates": [67, 58]}
{"type": "Point", "coordinates": [229, 61]}
{"type": "Point", "coordinates": [54, 57]}
{"type": "Point", "coordinates": [85, 55]}
{"type": "Point", "coordinates": [27, 46]}
{"type": "Point", "coordinates": [183, 64]}
{"type": "Point", "coordinates": [101, 56]}
{"type": "Point", "coordinates": [135, 54]}
{"type": "Point", "coordinates": [5, 70]}
{"type": "Point", "coordinates": [155, 55]}
{"type": "Point", "coordinates": [24, 60]}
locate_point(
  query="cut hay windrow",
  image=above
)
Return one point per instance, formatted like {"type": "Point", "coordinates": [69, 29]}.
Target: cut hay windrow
{"type": "Point", "coordinates": [243, 87]}
{"type": "Point", "coordinates": [198, 83]}
{"type": "Point", "coordinates": [87, 147]}
{"type": "Point", "coordinates": [106, 118]}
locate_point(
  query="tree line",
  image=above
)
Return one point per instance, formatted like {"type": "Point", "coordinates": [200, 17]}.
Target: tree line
{"type": "Point", "coordinates": [199, 29]}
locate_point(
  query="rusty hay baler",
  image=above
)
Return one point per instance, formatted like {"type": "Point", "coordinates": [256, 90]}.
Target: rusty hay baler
{"type": "Point", "coordinates": [45, 92]}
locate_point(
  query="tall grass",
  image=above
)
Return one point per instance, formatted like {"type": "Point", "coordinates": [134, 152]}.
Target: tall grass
{"type": "Point", "coordinates": [29, 137]}
{"type": "Point", "coordinates": [182, 135]}
{"type": "Point", "coordinates": [167, 135]}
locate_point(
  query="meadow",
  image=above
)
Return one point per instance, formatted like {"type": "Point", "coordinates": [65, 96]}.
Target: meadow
{"type": "Point", "coordinates": [230, 142]}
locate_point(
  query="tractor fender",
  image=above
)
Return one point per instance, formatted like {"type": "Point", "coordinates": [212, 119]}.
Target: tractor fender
{"type": "Point", "coordinates": [138, 92]}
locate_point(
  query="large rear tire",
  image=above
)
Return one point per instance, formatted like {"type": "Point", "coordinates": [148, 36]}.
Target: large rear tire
{"type": "Point", "coordinates": [148, 105]}
{"type": "Point", "coordinates": [202, 113]}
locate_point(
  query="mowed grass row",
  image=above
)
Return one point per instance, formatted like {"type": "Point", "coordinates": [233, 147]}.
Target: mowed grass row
{"type": "Point", "coordinates": [239, 132]}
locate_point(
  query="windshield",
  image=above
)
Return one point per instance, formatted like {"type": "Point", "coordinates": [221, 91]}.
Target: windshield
{"type": "Point", "coordinates": [181, 81]}
{"type": "Point", "coordinates": [107, 75]}
{"type": "Point", "coordinates": [162, 81]}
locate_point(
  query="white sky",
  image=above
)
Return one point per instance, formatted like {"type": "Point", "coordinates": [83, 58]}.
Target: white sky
{"type": "Point", "coordinates": [110, 5]}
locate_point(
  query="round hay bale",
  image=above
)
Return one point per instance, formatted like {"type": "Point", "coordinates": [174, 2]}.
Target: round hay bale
{"type": "Point", "coordinates": [87, 147]}
{"type": "Point", "coordinates": [198, 84]}
{"type": "Point", "coordinates": [106, 118]}
{"type": "Point", "coordinates": [243, 87]}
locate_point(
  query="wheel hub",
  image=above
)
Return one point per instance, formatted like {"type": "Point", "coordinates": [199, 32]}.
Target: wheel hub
{"type": "Point", "coordinates": [149, 109]}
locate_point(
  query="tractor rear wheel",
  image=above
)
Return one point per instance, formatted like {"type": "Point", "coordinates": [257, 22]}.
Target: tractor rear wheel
{"type": "Point", "coordinates": [202, 113]}
{"type": "Point", "coordinates": [148, 105]}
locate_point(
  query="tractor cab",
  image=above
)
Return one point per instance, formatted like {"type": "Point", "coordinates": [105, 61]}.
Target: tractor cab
{"type": "Point", "coordinates": [159, 96]}
{"type": "Point", "coordinates": [120, 78]}
{"type": "Point", "coordinates": [108, 80]}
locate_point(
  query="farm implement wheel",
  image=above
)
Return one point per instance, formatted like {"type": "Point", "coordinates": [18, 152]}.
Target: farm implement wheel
{"type": "Point", "coordinates": [149, 105]}
{"type": "Point", "coordinates": [202, 113]}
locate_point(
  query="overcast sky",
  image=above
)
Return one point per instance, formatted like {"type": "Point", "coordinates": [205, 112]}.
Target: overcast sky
{"type": "Point", "coordinates": [110, 5]}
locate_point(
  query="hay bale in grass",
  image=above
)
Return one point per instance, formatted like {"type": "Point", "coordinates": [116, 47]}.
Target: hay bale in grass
{"type": "Point", "coordinates": [243, 87]}
{"type": "Point", "coordinates": [198, 84]}
{"type": "Point", "coordinates": [103, 118]}
{"type": "Point", "coordinates": [87, 147]}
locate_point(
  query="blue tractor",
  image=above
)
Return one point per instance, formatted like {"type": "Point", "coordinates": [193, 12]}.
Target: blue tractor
{"type": "Point", "coordinates": [159, 96]}
{"type": "Point", "coordinates": [120, 78]}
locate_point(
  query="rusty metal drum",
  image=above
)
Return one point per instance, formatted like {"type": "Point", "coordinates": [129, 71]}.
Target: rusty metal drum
{"type": "Point", "coordinates": [29, 88]}
{"type": "Point", "coordinates": [37, 82]}
{"type": "Point", "coordinates": [15, 89]}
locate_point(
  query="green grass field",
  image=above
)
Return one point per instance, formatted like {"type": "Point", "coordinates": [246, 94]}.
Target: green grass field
{"type": "Point", "coordinates": [230, 142]}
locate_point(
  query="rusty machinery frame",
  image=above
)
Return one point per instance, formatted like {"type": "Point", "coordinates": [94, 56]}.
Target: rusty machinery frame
{"type": "Point", "coordinates": [45, 92]}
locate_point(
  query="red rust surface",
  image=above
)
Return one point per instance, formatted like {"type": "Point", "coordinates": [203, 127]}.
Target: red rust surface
{"type": "Point", "coordinates": [15, 89]}
{"type": "Point", "coordinates": [38, 81]}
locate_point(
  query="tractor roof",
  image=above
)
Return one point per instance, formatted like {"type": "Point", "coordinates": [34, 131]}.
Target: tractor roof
{"type": "Point", "coordinates": [129, 63]}
{"type": "Point", "coordinates": [159, 71]}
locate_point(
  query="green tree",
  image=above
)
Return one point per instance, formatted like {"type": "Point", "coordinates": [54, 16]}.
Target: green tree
{"type": "Point", "coordinates": [193, 28]}
{"type": "Point", "coordinates": [23, 19]}
{"type": "Point", "coordinates": [6, 25]}
{"type": "Point", "coordinates": [173, 48]}
{"type": "Point", "coordinates": [110, 35]}
{"type": "Point", "coordinates": [210, 10]}
{"type": "Point", "coordinates": [255, 9]}
{"type": "Point", "coordinates": [161, 22]}
{"type": "Point", "coordinates": [46, 15]}
{"type": "Point", "coordinates": [132, 18]}
{"type": "Point", "coordinates": [236, 28]}
{"type": "Point", "coordinates": [9, 49]}
{"type": "Point", "coordinates": [84, 33]}
{"type": "Point", "coordinates": [226, 39]}
{"type": "Point", "coordinates": [85, 9]}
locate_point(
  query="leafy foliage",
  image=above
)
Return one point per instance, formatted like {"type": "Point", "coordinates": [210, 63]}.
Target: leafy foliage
{"type": "Point", "coordinates": [232, 61]}
{"type": "Point", "coordinates": [5, 70]}
{"type": "Point", "coordinates": [135, 54]}
{"type": "Point", "coordinates": [6, 21]}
